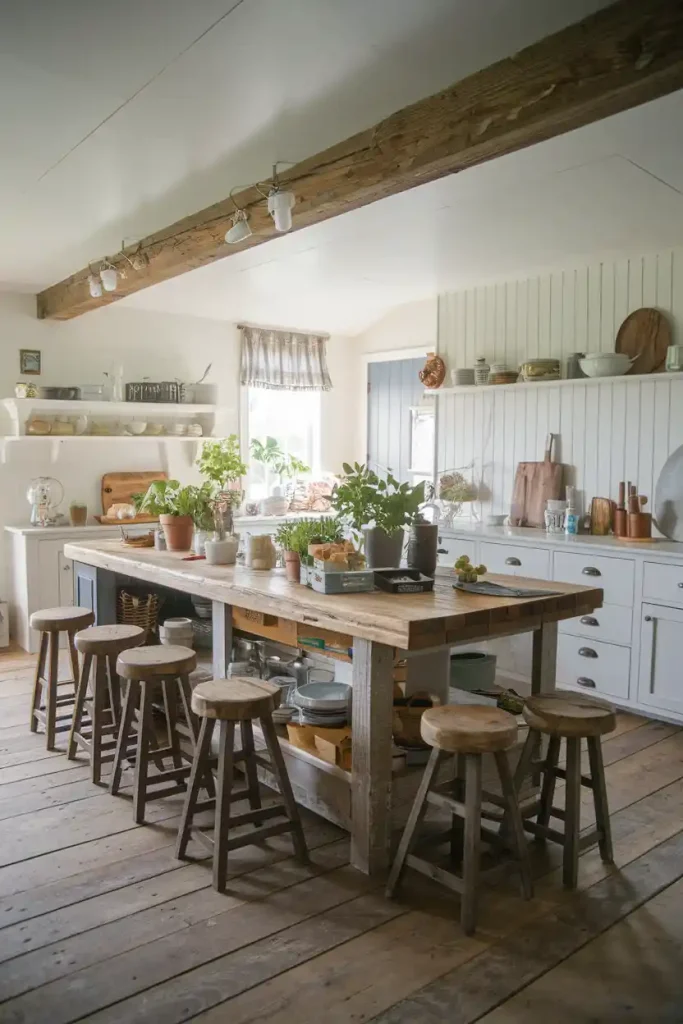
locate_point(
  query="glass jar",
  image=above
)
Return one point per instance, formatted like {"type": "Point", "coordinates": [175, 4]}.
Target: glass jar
{"type": "Point", "coordinates": [554, 514]}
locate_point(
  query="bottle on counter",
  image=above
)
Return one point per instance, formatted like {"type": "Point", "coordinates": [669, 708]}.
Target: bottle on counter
{"type": "Point", "coordinates": [571, 518]}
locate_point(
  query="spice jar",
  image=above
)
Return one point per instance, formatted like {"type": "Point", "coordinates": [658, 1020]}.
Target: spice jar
{"type": "Point", "coordinates": [554, 514]}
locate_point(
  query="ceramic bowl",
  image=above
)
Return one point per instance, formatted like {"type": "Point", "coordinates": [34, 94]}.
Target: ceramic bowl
{"type": "Point", "coordinates": [322, 697]}
{"type": "Point", "coordinates": [136, 427]}
{"type": "Point", "coordinates": [605, 364]}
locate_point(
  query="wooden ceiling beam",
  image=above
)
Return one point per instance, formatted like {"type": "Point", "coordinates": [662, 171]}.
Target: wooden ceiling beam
{"type": "Point", "coordinates": [622, 56]}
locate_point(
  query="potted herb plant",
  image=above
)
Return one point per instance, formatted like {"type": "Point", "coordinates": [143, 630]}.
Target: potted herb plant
{"type": "Point", "coordinates": [294, 537]}
{"type": "Point", "coordinates": [221, 464]}
{"type": "Point", "coordinates": [377, 511]}
{"type": "Point", "coordinates": [273, 458]}
{"type": "Point", "coordinates": [179, 509]}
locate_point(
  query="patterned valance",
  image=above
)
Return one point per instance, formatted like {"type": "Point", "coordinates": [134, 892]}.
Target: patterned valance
{"type": "Point", "coordinates": [283, 360]}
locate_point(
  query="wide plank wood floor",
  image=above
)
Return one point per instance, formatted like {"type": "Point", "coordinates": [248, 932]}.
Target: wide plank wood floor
{"type": "Point", "coordinates": [99, 922]}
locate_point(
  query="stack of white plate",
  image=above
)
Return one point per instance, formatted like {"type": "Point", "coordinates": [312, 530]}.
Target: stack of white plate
{"type": "Point", "coordinates": [323, 703]}
{"type": "Point", "coordinates": [285, 712]}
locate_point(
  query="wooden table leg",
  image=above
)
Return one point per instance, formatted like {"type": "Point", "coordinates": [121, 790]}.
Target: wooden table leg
{"type": "Point", "coordinates": [544, 658]}
{"type": "Point", "coordinates": [372, 705]}
{"type": "Point", "coordinates": [221, 615]}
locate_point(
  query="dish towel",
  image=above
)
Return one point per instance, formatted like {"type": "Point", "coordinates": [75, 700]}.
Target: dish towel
{"type": "Point", "coordinates": [498, 590]}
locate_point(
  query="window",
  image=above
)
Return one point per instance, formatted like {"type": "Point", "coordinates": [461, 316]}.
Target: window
{"type": "Point", "coordinates": [293, 419]}
{"type": "Point", "coordinates": [421, 443]}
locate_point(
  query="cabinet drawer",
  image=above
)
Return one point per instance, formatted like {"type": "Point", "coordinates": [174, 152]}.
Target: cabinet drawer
{"type": "Point", "coordinates": [516, 560]}
{"type": "Point", "coordinates": [597, 667]}
{"type": "Point", "coordinates": [613, 575]}
{"type": "Point", "coordinates": [450, 548]}
{"type": "Point", "coordinates": [663, 582]}
{"type": "Point", "coordinates": [610, 623]}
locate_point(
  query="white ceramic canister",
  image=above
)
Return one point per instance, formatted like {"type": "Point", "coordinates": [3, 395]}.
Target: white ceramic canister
{"type": "Point", "coordinates": [177, 631]}
{"type": "Point", "coordinates": [554, 514]}
{"type": "Point", "coordinates": [221, 552]}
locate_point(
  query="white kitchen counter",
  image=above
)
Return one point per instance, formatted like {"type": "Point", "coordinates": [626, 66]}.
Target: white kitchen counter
{"type": "Point", "coordinates": [581, 542]}
{"type": "Point", "coordinates": [53, 532]}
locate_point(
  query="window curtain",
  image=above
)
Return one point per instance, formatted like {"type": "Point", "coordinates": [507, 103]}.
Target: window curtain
{"type": "Point", "coordinates": [284, 360]}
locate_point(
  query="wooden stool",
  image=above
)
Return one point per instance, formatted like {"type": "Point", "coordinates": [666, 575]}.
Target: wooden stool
{"type": "Point", "coordinates": [466, 732]}
{"type": "Point", "coordinates": [51, 622]}
{"type": "Point", "coordinates": [153, 672]}
{"type": "Point", "coordinates": [101, 645]}
{"type": "Point", "coordinates": [230, 701]}
{"type": "Point", "coordinates": [571, 717]}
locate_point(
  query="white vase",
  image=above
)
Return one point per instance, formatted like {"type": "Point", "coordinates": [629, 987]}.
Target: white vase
{"type": "Point", "coordinates": [221, 552]}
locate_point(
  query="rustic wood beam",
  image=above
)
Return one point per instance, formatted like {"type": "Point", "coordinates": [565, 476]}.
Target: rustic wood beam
{"type": "Point", "coordinates": [622, 56]}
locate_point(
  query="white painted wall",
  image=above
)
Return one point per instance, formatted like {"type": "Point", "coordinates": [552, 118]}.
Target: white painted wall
{"type": "Point", "coordinates": [608, 432]}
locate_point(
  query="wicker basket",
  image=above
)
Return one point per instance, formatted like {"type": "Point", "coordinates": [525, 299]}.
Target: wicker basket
{"type": "Point", "coordinates": [407, 717]}
{"type": "Point", "coordinates": [139, 610]}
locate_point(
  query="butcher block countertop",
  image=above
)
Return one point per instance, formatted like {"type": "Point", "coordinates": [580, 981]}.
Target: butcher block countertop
{"type": "Point", "coordinates": [407, 621]}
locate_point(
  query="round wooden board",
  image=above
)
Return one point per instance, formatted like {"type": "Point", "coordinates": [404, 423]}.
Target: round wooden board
{"type": "Point", "coordinates": [645, 331]}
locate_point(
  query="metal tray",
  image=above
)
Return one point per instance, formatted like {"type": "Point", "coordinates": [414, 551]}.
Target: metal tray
{"type": "Point", "coordinates": [403, 581]}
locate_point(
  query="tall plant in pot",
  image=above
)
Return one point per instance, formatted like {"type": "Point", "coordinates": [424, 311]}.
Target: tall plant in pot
{"type": "Point", "coordinates": [377, 511]}
{"type": "Point", "coordinates": [294, 538]}
{"type": "Point", "coordinates": [275, 460]}
{"type": "Point", "coordinates": [221, 464]}
{"type": "Point", "coordinates": [179, 510]}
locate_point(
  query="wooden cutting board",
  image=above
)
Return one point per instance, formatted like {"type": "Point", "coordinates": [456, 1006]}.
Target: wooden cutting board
{"type": "Point", "coordinates": [535, 482]}
{"type": "Point", "coordinates": [120, 487]}
{"type": "Point", "coordinates": [645, 334]}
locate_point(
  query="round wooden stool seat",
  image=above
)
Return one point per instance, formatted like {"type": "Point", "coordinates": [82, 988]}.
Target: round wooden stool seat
{"type": "Point", "coordinates": [235, 700]}
{"type": "Point", "coordinates": [109, 640]}
{"type": "Point", "coordinates": [142, 663]}
{"type": "Point", "coordinates": [55, 620]}
{"type": "Point", "coordinates": [468, 729]}
{"type": "Point", "coordinates": [569, 715]}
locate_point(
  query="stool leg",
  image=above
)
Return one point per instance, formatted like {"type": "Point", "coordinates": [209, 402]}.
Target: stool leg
{"type": "Point", "coordinates": [456, 820]}
{"type": "Point", "coordinates": [522, 770]}
{"type": "Point", "coordinates": [222, 825]}
{"type": "Point", "coordinates": [254, 793]}
{"type": "Point", "coordinates": [201, 754]}
{"type": "Point", "coordinates": [129, 705]}
{"type": "Point", "coordinates": [549, 778]}
{"type": "Point", "coordinates": [280, 771]}
{"type": "Point", "coordinates": [99, 690]}
{"type": "Point", "coordinates": [38, 681]}
{"type": "Point", "coordinates": [114, 684]}
{"type": "Point", "coordinates": [472, 842]}
{"type": "Point", "coordinates": [73, 657]}
{"type": "Point", "coordinates": [193, 725]}
{"type": "Point", "coordinates": [52, 691]}
{"type": "Point", "coordinates": [572, 824]}
{"type": "Point", "coordinates": [145, 731]}
{"type": "Point", "coordinates": [169, 689]}
{"type": "Point", "coordinates": [414, 818]}
{"type": "Point", "coordinates": [81, 693]}
{"type": "Point", "coordinates": [514, 818]}
{"type": "Point", "coordinates": [597, 769]}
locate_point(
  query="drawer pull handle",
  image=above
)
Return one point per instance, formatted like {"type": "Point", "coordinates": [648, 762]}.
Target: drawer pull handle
{"type": "Point", "coordinates": [585, 681]}
{"type": "Point", "coordinates": [681, 585]}
{"type": "Point", "coordinates": [590, 570]}
{"type": "Point", "coordinates": [648, 618]}
{"type": "Point", "coordinates": [589, 620]}
{"type": "Point", "coordinates": [587, 652]}
{"type": "Point", "coordinates": [441, 551]}
{"type": "Point", "coordinates": [512, 561]}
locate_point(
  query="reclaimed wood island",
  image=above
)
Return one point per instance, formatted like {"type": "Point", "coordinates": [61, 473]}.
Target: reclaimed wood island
{"type": "Point", "coordinates": [423, 627]}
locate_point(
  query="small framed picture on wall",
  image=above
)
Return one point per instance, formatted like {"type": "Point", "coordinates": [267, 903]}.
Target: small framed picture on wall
{"type": "Point", "coordinates": [29, 360]}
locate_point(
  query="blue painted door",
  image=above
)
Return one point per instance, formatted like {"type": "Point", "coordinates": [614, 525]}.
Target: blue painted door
{"type": "Point", "coordinates": [393, 387]}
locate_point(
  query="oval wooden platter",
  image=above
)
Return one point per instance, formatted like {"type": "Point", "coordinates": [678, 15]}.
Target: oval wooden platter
{"type": "Point", "coordinates": [645, 334]}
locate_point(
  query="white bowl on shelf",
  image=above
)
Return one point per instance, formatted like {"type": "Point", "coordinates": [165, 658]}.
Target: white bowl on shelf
{"type": "Point", "coordinates": [606, 364]}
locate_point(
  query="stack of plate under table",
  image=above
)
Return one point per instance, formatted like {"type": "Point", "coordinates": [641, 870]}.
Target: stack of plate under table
{"type": "Point", "coordinates": [324, 704]}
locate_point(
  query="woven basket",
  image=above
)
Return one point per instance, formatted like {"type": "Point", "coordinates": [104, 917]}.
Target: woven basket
{"type": "Point", "coordinates": [407, 717]}
{"type": "Point", "coordinates": [139, 610]}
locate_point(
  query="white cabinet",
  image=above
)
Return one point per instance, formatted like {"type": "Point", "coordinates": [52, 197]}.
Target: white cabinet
{"type": "Point", "coordinates": [663, 582]}
{"type": "Point", "coordinates": [515, 560]}
{"type": "Point", "coordinates": [613, 575]}
{"type": "Point", "coordinates": [592, 665]}
{"type": "Point", "coordinates": [660, 680]}
{"type": "Point", "coordinates": [450, 548]}
{"type": "Point", "coordinates": [610, 623]}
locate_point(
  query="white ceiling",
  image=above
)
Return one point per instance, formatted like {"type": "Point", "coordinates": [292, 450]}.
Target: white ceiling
{"type": "Point", "coordinates": [117, 118]}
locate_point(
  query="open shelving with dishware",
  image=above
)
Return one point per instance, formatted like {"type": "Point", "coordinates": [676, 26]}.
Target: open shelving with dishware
{"type": "Point", "coordinates": [628, 378]}
{"type": "Point", "coordinates": [99, 420]}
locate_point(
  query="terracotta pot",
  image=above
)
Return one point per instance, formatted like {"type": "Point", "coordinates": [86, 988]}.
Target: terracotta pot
{"type": "Point", "coordinates": [292, 566]}
{"type": "Point", "coordinates": [178, 531]}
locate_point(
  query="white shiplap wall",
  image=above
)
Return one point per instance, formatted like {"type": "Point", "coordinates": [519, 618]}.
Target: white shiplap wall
{"type": "Point", "coordinates": [608, 432]}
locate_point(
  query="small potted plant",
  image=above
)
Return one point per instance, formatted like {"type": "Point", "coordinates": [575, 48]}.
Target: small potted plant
{"type": "Point", "coordinates": [178, 509]}
{"type": "Point", "coordinates": [377, 511]}
{"type": "Point", "coordinates": [221, 463]}
{"type": "Point", "coordinates": [294, 538]}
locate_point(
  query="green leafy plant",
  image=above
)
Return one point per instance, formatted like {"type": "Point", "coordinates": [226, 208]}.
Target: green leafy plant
{"type": "Point", "coordinates": [271, 454]}
{"type": "Point", "coordinates": [168, 498]}
{"type": "Point", "coordinates": [221, 463]}
{"type": "Point", "coordinates": [296, 536]}
{"type": "Point", "coordinates": [362, 498]}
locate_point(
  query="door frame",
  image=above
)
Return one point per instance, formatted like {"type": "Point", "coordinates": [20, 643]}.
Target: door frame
{"type": "Point", "coordinates": [385, 356]}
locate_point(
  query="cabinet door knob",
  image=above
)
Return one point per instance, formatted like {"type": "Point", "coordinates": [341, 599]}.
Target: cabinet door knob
{"type": "Point", "coordinates": [589, 620]}
{"type": "Point", "coordinates": [512, 561]}
{"type": "Point", "coordinates": [648, 618]}
{"type": "Point", "coordinates": [441, 551]}
{"type": "Point", "coordinates": [585, 681]}
{"type": "Point", "coordinates": [587, 652]}
{"type": "Point", "coordinates": [590, 570]}
{"type": "Point", "coordinates": [681, 585]}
